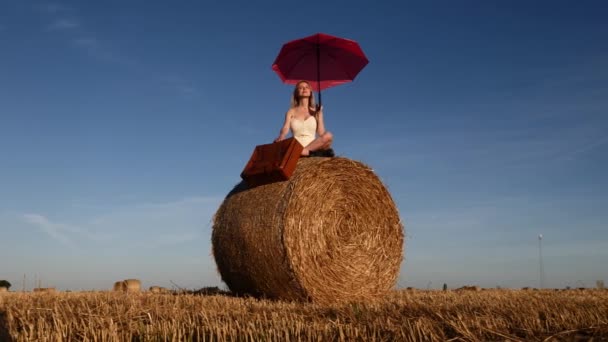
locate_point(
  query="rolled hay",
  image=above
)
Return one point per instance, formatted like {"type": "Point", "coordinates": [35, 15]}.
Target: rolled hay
{"type": "Point", "coordinates": [331, 233]}
{"type": "Point", "coordinates": [132, 285]}
{"type": "Point", "coordinates": [3, 289]}
{"type": "Point", "coordinates": [119, 286]}
{"type": "Point", "coordinates": [158, 289]}
{"type": "Point", "coordinates": [469, 288]}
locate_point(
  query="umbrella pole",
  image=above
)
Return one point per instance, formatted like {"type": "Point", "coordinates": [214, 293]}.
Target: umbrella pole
{"type": "Point", "coordinates": [319, 72]}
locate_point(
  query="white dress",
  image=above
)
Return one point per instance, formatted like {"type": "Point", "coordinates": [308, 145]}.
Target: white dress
{"type": "Point", "coordinates": [304, 130]}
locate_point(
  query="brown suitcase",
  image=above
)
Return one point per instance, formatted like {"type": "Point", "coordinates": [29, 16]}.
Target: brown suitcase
{"type": "Point", "coordinates": [271, 163]}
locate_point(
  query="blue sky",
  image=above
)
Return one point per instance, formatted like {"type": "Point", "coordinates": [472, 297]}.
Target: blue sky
{"type": "Point", "coordinates": [123, 124]}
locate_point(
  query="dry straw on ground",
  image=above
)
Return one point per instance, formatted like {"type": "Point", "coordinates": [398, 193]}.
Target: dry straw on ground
{"type": "Point", "coordinates": [331, 233]}
{"type": "Point", "coordinates": [493, 315]}
{"type": "Point", "coordinates": [3, 289]}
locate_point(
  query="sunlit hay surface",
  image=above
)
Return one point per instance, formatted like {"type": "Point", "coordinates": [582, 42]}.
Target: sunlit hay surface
{"type": "Point", "coordinates": [403, 315]}
{"type": "Point", "coordinates": [331, 233]}
{"type": "Point", "coordinates": [132, 285]}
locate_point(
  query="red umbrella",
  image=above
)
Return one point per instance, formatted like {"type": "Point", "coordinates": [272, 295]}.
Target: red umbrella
{"type": "Point", "coordinates": [324, 60]}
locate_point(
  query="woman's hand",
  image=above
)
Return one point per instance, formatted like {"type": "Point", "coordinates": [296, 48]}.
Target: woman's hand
{"type": "Point", "coordinates": [279, 139]}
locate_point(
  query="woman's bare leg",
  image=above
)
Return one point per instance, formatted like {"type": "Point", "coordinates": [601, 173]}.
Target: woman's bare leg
{"type": "Point", "coordinates": [322, 142]}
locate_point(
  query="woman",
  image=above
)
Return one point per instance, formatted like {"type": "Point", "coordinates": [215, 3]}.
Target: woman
{"type": "Point", "coordinates": [298, 119]}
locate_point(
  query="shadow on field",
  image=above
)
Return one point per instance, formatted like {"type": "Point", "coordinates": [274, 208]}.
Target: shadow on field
{"type": "Point", "coordinates": [210, 291]}
{"type": "Point", "coordinates": [4, 333]}
{"type": "Point", "coordinates": [215, 291]}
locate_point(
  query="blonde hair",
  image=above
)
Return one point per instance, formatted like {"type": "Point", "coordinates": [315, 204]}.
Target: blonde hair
{"type": "Point", "coordinates": [295, 100]}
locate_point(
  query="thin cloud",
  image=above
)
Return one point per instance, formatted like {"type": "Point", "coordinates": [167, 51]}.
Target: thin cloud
{"type": "Point", "coordinates": [146, 225]}
{"type": "Point", "coordinates": [168, 223]}
{"type": "Point", "coordinates": [63, 24]}
{"type": "Point", "coordinates": [63, 233]}
{"type": "Point", "coordinates": [95, 49]}
{"type": "Point", "coordinates": [170, 239]}
{"type": "Point", "coordinates": [159, 224]}
{"type": "Point", "coordinates": [52, 8]}
{"type": "Point", "coordinates": [181, 85]}
{"type": "Point", "coordinates": [572, 154]}
{"type": "Point", "coordinates": [505, 148]}
{"type": "Point", "coordinates": [54, 230]}
{"type": "Point", "coordinates": [102, 52]}
{"type": "Point", "coordinates": [65, 20]}
{"type": "Point", "coordinates": [188, 201]}
{"type": "Point", "coordinates": [89, 43]}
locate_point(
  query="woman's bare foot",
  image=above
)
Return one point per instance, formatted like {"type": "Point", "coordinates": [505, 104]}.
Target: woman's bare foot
{"type": "Point", "coordinates": [305, 152]}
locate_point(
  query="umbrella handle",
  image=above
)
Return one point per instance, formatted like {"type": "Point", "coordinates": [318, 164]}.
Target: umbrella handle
{"type": "Point", "coordinates": [319, 104]}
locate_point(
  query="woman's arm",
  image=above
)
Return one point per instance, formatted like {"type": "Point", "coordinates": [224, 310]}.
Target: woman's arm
{"type": "Point", "coordinates": [285, 128]}
{"type": "Point", "coordinates": [320, 123]}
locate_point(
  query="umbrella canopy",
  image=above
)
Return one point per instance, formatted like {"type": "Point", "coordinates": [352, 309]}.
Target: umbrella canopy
{"type": "Point", "coordinates": [323, 60]}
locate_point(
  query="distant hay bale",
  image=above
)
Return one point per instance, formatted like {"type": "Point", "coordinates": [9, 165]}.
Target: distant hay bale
{"type": "Point", "coordinates": [158, 289]}
{"type": "Point", "coordinates": [132, 285]}
{"type": "Point", "coordinates": [3, 289]}
{"type": "Point", "coordinates": [45, 289]}
{"type": "Point", "coordinates": [119, 286]}
{"type": "Point", "coordinates": [127, 285]}
{"type": "Point", "coordinates": [474, 288]}
{"type": "Point", "coordinates": [331, 233]}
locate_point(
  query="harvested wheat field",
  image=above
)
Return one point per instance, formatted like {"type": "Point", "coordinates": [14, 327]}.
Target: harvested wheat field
{"type": "Point", "coordinates": [330, 233]}
{"type": "Point", "coordinates": [491, 315]}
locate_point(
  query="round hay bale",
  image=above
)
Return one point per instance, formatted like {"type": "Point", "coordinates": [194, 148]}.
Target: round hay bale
{"type": "Point", "coordinates": [158, 289]}
{"type": "Point", "coordinates": [132, 285]}
{"type": "Point", "coordinates": [330, 233]}
{"type": "Point", "coordinates": [119, 286]}
{"type": "Point", "coordinates": [3, 289]}
{"type": "Point", "coordinates": [469, 288]}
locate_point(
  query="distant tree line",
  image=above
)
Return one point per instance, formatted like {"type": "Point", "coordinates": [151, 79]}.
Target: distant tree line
{"type": "Point", "coordinates": [5, 283]}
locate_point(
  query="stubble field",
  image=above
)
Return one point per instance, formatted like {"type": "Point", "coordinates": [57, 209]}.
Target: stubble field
{"type": "Point", "coordinates": [489, 315]}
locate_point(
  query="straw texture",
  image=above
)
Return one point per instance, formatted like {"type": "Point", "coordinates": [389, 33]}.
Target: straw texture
{"type": "Point", "coordinates": [132, 285]}
{"type": "Point", "coordinates": [331, 233]}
